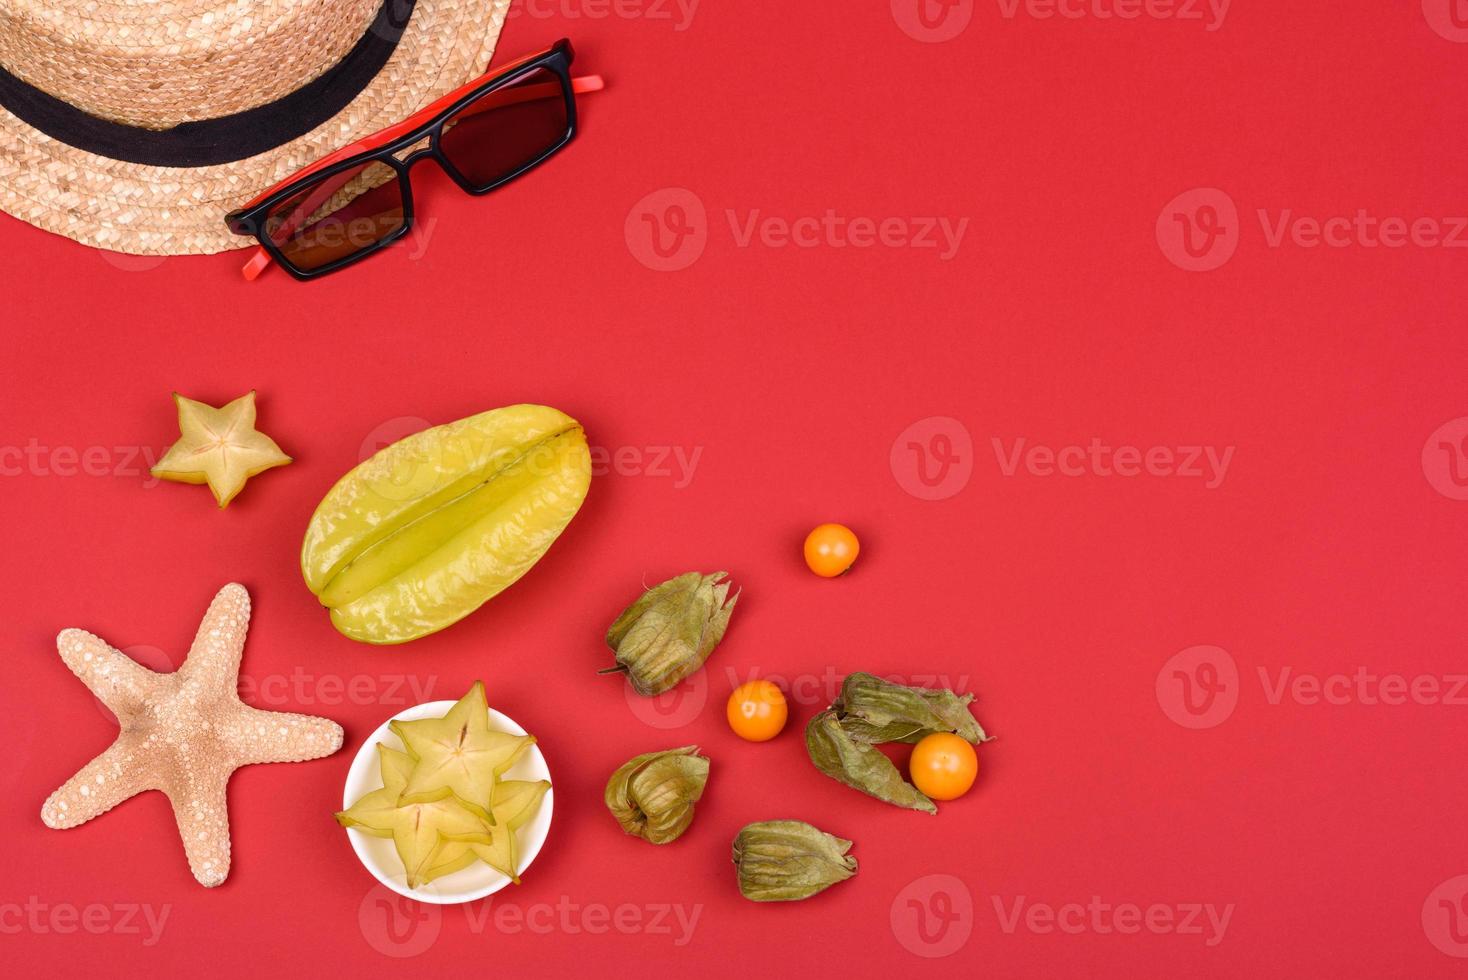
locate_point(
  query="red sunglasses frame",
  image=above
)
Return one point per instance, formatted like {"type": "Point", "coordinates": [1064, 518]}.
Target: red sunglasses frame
{"type": "Point", "coordinates": [248, 219]}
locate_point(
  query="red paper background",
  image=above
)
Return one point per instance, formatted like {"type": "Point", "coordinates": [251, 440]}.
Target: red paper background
{"type": "Point", "coordinates": [1326, 548]}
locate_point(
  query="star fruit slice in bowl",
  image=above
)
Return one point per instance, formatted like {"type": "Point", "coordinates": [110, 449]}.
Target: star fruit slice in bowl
{"type": "Point", "coordinates": [458, 754]}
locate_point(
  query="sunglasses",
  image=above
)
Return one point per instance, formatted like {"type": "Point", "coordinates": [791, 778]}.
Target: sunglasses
{"type": "Point", "coordinates": [359, 200]}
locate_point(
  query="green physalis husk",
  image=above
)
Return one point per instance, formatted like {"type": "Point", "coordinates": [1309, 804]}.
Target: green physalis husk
{"type": "Point", "coordinates": [858, 765]}
{"type": "Point", "coordinates": [871, 711]}
{"type": "Point", "coordinates": [669, 633]}
{"type": "Point", "coordinates": [652, 796]}
{"type": "Point", "coordinates": [787, 860]}
{"type": "Point", "coordinates": [876, 711]}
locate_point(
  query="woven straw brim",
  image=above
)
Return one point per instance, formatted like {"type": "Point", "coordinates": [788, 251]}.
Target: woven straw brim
{"type": "Point", "coordinates": [144, 210]}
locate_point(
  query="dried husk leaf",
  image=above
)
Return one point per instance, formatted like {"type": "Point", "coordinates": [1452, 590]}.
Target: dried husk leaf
{"type": "Point", "coordinates": [667, 634]}
{"type": "Point", "coordinates": [877, 711]}
{"type": "Point", "coordinates": [652, 796]}
{"type": "Point", "coordinates": [858, 765]}
{"type": "Point", "coordinates": [788, 860]}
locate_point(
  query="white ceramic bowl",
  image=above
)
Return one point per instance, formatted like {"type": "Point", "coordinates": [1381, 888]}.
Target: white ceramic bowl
{"type": "Point", "coordinates": [479, 879]}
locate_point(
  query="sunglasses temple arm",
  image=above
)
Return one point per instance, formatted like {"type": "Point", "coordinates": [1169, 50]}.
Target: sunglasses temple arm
{"type": "Point", "coordinates": [260, 259]}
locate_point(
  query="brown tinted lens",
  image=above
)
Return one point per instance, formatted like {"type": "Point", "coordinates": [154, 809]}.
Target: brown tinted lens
{"type": "Point", "coordinates": [507, 128]}
{"type": "Point", "coordinates": [338, 217]}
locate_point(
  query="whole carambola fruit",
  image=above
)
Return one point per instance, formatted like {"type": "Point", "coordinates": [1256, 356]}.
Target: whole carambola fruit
{"type": "Point", "coordinates": [432, 527]}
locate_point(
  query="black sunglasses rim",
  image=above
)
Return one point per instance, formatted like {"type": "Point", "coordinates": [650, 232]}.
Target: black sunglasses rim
{"type": "Point", "coordinates": [248, 221]}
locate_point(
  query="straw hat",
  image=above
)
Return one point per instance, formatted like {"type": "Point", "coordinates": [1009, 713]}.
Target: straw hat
{"type": "Point", "coordinates": [136, 125]}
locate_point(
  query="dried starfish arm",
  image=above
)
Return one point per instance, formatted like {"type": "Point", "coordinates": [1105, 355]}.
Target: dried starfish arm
{"type": "Point", "coordinates": [118, 774]}
{"type": "Point", "coordinates": [220, 641]}
{"type": "Point", "coordinates": [279, 736]}
{"type": "Point", "coordinates": [116, 679]}
{"type": "Point", "coordinates": [201, 811]}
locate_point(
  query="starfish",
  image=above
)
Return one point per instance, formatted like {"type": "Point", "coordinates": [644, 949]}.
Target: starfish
{"type": "Point", "coordinates": [218, 446]}
{"type": "Point", "coordinates": [183, 733]}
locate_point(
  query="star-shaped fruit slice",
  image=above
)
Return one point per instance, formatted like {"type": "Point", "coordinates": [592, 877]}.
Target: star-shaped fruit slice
{"type": "Point", "coordinates": [183, 733]}
{"type": "Point", "coordinates": [514, 803]}
{"type": "Point", "coordinates": [417, 830]}
{"type": "Point", "coordinates": [218, 446]}
{"type": "Point", "coordinates": [459, 755]}
{"type": "Point", "coordinates": [372, 813]}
